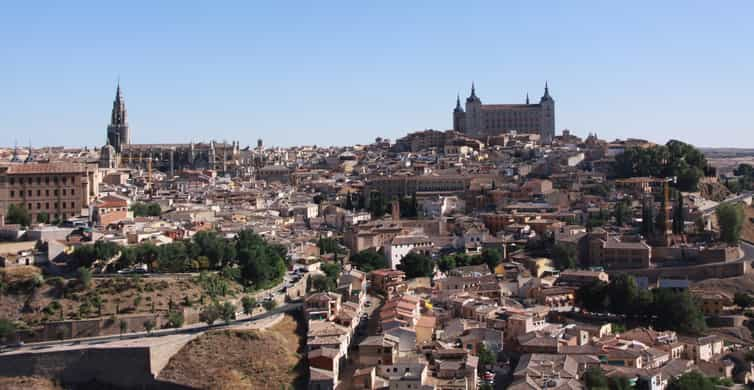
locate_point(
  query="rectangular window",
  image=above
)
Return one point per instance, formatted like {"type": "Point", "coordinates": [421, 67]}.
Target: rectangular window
{"type": "Point", "coordinates": [12, 193]}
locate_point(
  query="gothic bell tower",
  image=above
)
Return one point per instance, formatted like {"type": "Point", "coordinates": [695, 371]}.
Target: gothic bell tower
{"type": "Point", "coordinates": [118, 133]}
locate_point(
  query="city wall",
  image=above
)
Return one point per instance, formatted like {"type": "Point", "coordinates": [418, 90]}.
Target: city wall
{"type": "Point", "coordinates": [128, 367]}
{"type": "Point", "coordinates": [699, 272]}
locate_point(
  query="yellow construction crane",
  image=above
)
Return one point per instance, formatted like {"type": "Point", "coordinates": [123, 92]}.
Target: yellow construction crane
{"type": "Point", "coordinates": [148, 159]}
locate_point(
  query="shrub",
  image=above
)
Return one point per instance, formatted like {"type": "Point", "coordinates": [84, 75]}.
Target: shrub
{"type": "Point", "coordinates": [175, 319]}
{"type": "Point", "coordinates": [210, 314]}
{"type": "Point", "coordinates": [269, 305]}
{"type": "Point", "coordinates": [85, 277]}
{"type": "Point", "coordinates": [149, 325]}
{"type": "Point", "coordinates": [248, 304]}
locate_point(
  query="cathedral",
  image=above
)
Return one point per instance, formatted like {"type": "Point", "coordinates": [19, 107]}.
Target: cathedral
{"type": "Point", "coordinates": [119, 152]}
{"type": "Point", "coordinates": [482, 120]}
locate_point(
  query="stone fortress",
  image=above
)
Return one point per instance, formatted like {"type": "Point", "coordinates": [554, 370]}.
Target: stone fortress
{"type": "Point", "coordinates": [483, 120]}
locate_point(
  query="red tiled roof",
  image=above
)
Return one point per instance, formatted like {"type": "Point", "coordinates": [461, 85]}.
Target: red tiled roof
{"type": "Point", "coordinates": [25, 169]}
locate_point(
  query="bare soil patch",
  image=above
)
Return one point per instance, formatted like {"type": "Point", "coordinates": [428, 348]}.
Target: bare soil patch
{"type": "Point", "coordinates": [242, 359]}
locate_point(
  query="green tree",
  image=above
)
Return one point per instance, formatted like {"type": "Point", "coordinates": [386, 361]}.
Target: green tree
{"type": "Point", "coordinates": [677, 311]}
{"type": "Point", "coordinates": [248, 303]}
{"type": "Point", "coordinates": [595, 379]}
{"type": "Point", "coordinates": [678, 214]}
{"type": "Point", "coordinates": [730, 217]}
{"type": "Point", "coordinates": [564, 257]}
{"type": "Point", "coordinates": [96, 301]}
{"type": "Point", "coordinates": [416, 265]}
{"type": "Point", "coordinates": [17, 215]}
{"type": "Point", "coordinates": [322, 283]}
{"type": "Point", "coordinates": [227, 312]}
{"type": "Point", "coordinates": [377, 204]}
{"type": "Point", "coordinates": [622, 212]}
{"type": "Point", "coordinates": [660, 218]}
{"type": "Point", "coordinates": [269, 305]}
{"type": "Point", "coordinates": [149, 325]}
{"type": "Point", "coordinates": [409, 206]}
{"type": "Point", "coordinates": [331, 270]}
{"type": "Point", "coordinates": [492, 257]}
{"type": "Point", "coordinates": [486, 357]}
{"type": "Point", "coordinates": [369, 260]}
{"type": "Point", "coordinates": [618, 383]}
{"type": "Point", "coordinates": [262, 265]}
{"type": "Point", "coordinates": [593, 297]}
{"type": "Point", "coordinates": [175, 319]}
{"type": "Point", "coordinates": [328, 245]}
{"type": "Point", "coordinates": [647, 218]}
{"type": "Point", "coordinates": [349, 202]}
{"type": "Point", "coordinates": [43, 217]}
{"type": "Point", "coordinates": [123, 327]}
{"type": "Point", "coordinates": [146, 209]}
{"type": "Point", "coordinates": [624, 293]}
{"type": "Point", "coordinates": [7, 329]}
{"type": "Point", "coordinates": [84, 276]}
{"type": "Point", "coordinates": [210, 314]}
{"type": "Point", "coordinates": [674, 159]}
{"type": "Point", "coordinates": [693, 380]}
{"type": "Point", "coordinates": [743, 300]}
{"type": "Point", "coordinates": [446, 263]}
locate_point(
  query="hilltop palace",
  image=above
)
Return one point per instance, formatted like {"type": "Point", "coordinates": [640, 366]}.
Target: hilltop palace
{"type": "Point", "coordinates": [482, 120]}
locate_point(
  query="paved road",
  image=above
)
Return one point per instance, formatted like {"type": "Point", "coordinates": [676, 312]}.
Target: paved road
{"type": "Point", "coordinates": [189, 329]}
{"type": "Point", "coordinates": [711, 209]}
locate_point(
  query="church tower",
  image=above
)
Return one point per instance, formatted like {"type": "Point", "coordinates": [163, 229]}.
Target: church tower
{"type": "Point", "coordinates": [547, 116]}
{"type": "Point", "coordinates": [473, 113]}
{"type": "Point", "coordinates": [118, 133]}
{"type": "Point", "coordinates": [459, 117]}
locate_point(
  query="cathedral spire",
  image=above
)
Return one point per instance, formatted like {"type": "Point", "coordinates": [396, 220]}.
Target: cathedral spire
{"type": "Point", "coordinates": [15, 157]}
{"type": "Point", "coordinates": [527, 98]}
{"type": "Point", "coordinates": [547, 90]}
{"type": "Point", "coordinates": [118, 133]}
{"type": "Point", "coordinates": [473, 90]}
{"type": "Point", "coordinates": [29, 157]}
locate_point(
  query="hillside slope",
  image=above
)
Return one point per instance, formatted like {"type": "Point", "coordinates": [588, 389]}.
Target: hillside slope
{"type": "Point", "coordinates": [241, 359]}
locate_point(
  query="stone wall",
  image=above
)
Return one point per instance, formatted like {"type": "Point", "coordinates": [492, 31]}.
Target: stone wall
{"type": "Point", "coordinates": [60, 330]}
{"type": "Point", "coordinates": [298, 289]}
{"type": "Point", "coordinates": [699, 272]}
{"type": "Point", "coordinates": [127, 367]}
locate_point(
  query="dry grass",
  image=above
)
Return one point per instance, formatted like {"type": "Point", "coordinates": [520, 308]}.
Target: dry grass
{"type": "Point", "coordinates": [20, 275]}
{"type": "Point", "coordinates": [747, 233]}
{"type": "Point", "coordinates": [129, 295]}
{"type": "Point", "coordinates": [28, 383]}
{"type": "Point", "coordinates": [266, 359]}
{"type": "Point", "coordinates": [737, 284]}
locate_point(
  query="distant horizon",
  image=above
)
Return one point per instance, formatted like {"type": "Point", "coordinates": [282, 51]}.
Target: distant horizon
{"type": "Point", "coordinates": [345, 73]}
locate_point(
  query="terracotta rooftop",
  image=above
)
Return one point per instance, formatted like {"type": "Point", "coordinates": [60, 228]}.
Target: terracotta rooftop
{"type": "Point", "coordinates": [45, 168]}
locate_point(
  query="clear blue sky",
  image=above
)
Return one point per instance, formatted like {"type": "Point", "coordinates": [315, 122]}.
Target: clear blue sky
{"type": "Point", "coordinates": [325, 72]}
